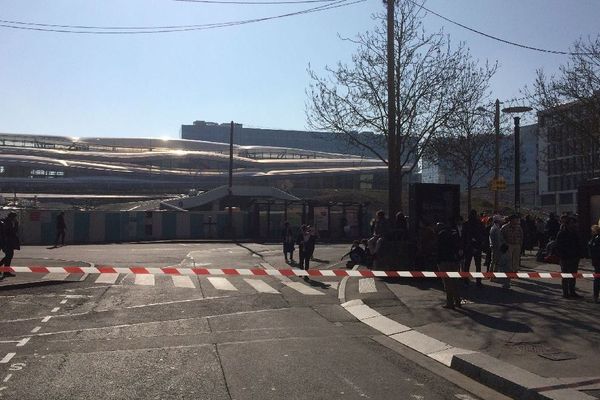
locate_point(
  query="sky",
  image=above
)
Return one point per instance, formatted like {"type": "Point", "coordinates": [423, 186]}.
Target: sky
{"type": "Point", "coordinates": [148, 85]}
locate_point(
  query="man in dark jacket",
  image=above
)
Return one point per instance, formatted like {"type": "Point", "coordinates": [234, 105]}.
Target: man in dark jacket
{"type": "Point", "coordinates": [449, 258]}
{"type": "Point", "coordinates": [567, 249]}
{"type": "Point", "coordinates": [61, 228]}
{"type": "Point", "coordinates": [474, 235]}
{"type": "Point", "coordinates": [306, 246]}
{"type": "Point", "coordinates": [552, 227]}
{"type": "Point", "coordinates": [10, 241]}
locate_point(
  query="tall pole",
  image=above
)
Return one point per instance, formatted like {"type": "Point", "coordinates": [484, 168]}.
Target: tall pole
{"type": "Point", "coordinates": [391, 120]}
{"type": "Point", "coordinates": [497, 152]}
{"type": "Point", "coordinates": [517, 166]}
{"type": "Point", "coordinates": [230, 157]}
{"type": "Point", "coordinates": [230, 211]}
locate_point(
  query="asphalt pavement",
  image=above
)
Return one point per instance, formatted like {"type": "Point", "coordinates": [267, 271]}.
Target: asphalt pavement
{"type": "Point", "coordinates": [89, 336]}
{"type": "Point", "coordinates": [145, 336]}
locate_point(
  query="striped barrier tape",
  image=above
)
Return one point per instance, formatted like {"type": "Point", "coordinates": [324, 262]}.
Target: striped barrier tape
{"type": "Point", "coordinates": [295, 272]}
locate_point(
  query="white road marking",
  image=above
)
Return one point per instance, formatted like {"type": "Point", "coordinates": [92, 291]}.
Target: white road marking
{"type": "Point", "coordinates": [183, 281]}
{"type": "Point", "coordinates": [55, 276]}
{"type": "Point", "coordinates": [55, 309]}
{"type": "Point", "coordinates": [144, 279]}
{"type": "Point", "coordinates": [46, 319]}
{"type": "Point", "coordinates": [7, 358]}
{"type": "Point", "coordinates": [367, 285]}
{"type": "Point", "coordinates": [23, 342]}
{"type": "Point", "coordinates": [221, 283]}
{"type": "Point", "coordinates": [36, 329]}
{"type": "Point", "coordinates": [303, 289]}
{"type": "Point", "coordinates": [63, 301]}
{"type": "Point", "coordinates": [342, 287]}
{"type": "Point", "coordinates": [7, 378]}
{"type": "Point", "coordinates": [107, 278]}
{"type": "Point", "coordinates": [261, 286]}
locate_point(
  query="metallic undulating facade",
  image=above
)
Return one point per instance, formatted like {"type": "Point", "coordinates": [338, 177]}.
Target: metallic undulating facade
{"type": "Point", "coordinates": [54, 164]}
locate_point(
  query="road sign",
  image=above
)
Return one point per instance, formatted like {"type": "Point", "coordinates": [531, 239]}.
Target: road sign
{"type": "Point", "coordinates": [498, 184]}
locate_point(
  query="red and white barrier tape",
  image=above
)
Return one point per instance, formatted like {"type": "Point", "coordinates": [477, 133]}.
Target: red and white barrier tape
{"type": "Point", "coordinates": [294, 272]}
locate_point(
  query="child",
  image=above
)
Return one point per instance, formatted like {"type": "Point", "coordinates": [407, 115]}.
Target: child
{"type": "Point", "coordinates": [356, 253]}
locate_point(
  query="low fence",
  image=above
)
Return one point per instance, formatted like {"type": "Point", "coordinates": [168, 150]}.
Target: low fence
{"type": "Point", "coordinates": [38, 227]}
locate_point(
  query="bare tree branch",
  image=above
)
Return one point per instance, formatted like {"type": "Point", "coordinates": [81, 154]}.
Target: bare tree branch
{"type": "Point", "coordinates": [433, 80]}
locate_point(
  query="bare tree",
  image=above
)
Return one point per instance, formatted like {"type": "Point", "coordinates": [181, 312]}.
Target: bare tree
{"type": "Point", "coordinates": [570, 102]}
{"type": "Point", "coordinates": [433, 79]}
{"type": "Point", "coordinates": [467, 149]}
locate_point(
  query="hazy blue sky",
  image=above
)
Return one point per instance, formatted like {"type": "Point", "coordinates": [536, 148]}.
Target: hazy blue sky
{"type": "Point", "coordinates": [148, 85]}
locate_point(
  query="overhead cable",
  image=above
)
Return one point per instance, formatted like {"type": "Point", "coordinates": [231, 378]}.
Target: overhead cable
{"type": "Point", "coordinates": [500, 39]}
{"type": "Point", "coordinates": [131, 30]}
{"type": "Point", "coordinates": [235, 2]}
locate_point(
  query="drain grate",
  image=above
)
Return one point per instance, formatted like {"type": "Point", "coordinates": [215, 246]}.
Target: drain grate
{"type": "Point", "coordinates": [532, 347]}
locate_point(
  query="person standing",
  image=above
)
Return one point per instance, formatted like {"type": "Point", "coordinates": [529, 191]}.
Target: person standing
{"type": "Point", "coordinates": [567, 249]}
{"type": "Point", "coordinates": [401, 228]}
{"type": "Point", "coordinates": [474, 232]}
{"type": "Point", "coordinates": [512, 233]}
{"type": "Point", "coordinates": [287, 237]}
{"type": "Point", "coordinates": [487, 250]}
{"type": "Point", "coordinates": [540, 234]}
{"type": "Point", "coordinates": [61, 229]}
{"type": "Point", "coordinates": [594, 248]}
{"type": "Point", "coordinates": [306, 246]}
{"type": "Point", "coordinates": [552, 227]}
{"type": "Point", "coordinates": [381, 230]}
{"type": "Point", "coordinates": [496, 241]}
{"type": "Point", "coordinates": [449, 258]}
{"type": "Point", "coordinates": [10, 241]}
{"type": "Point", "coordinates": [503, 265]}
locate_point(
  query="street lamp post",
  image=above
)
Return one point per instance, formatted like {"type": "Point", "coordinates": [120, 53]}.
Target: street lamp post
{"type": "Point", "coordinates": [517, 179]}
{"type": "Point", "coordinates": [230, 184]}
{"type": "Point", "coordinates": [496, 148]}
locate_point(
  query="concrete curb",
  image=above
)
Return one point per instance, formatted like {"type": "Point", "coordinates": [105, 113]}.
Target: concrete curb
{"type": "Point", "coordinates": [489, 371]}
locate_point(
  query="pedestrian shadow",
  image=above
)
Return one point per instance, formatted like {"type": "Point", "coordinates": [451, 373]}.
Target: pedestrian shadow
{"type": "Point", "coordinates": [417, 283]}
{"type": "Point", "coordinates": [318, 284]}
{"type": "Point", "coordinates": [320, 261]}
{"type": "Point", "coordinates": [500, 324]}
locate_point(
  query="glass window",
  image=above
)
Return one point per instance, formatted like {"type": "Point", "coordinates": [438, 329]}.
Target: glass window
{"type": "Point", "coordinates": [565, 198]}
{"type": "Point", "coordinates": [548, 199]}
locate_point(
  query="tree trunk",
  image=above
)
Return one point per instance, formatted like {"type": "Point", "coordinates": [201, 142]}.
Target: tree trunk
{"type": "Point", "coordinates": [469, 195]}
{"type": "Point", "coordinates": [394, 190]}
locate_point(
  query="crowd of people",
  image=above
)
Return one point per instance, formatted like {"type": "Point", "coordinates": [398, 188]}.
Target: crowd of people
{"type": "Point", "coordinates": [492, 241]}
